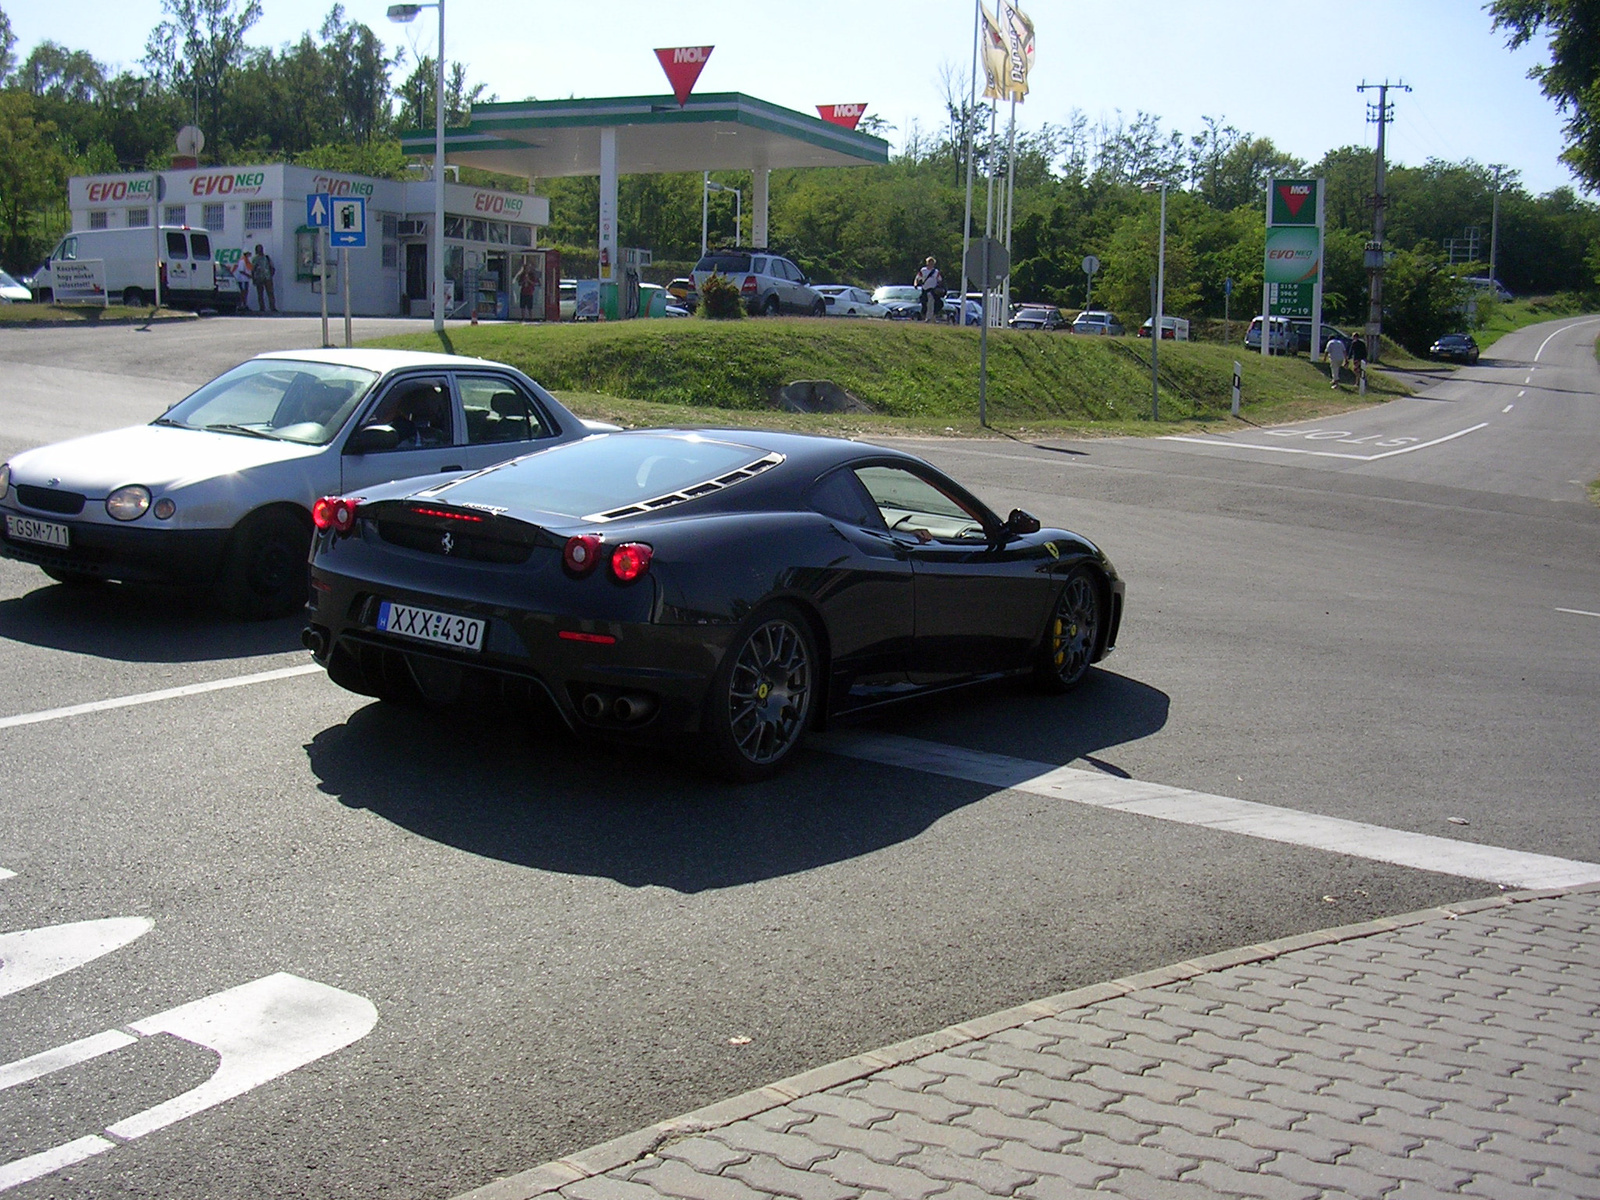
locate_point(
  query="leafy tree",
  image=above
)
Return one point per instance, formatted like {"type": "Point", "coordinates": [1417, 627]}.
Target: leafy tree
{"type": "Point", "coordinates": [416, 95]}
{"type": "Point", "coordinates": [1572, 77]}
{"type": "Point", "coordinates": [8, 39]}
{"type": "Point", "coordinates": [33, 172]}
{"type": "Point", "coordinates": [199, 48]}
{"type": "Point", "coordinates": [1423, 297]}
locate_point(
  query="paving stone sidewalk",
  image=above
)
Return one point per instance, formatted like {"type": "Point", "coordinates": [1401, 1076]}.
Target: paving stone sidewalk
{"type": "Point", "coordinates": [1452, 1052]}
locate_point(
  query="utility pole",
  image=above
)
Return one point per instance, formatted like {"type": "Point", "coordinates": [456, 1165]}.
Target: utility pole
{"type": "Point", "coordinates": [1494, 231]}
{"type": "Point", "coordinates": [1382, 113]}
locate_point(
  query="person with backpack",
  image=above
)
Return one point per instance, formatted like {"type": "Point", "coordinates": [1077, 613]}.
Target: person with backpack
{"type": "Point", "coordinates": [261, 273]}
{"type": "Point", "coordinates": [931, 284]}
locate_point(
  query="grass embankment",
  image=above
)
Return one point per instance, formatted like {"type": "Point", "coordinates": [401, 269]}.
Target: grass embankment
{"type": "Point", "coordinates": [1513, 315]}
{"type": "Point", "coordinates": [77, 314]}
{"type": "Point", "coordinates": [915, 378]}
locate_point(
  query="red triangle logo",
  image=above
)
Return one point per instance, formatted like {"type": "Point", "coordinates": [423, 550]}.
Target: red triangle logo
{"type": "Point", "coordinates": [1294, 199]}
{"type": "Point", "coordinates": [848, 115]}
{"type": "Point", "coordinates": [683, 65]}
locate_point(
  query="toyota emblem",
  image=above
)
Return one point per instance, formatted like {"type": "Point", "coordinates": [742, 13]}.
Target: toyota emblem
{"type": "Point", "coordinates": [447, 543]}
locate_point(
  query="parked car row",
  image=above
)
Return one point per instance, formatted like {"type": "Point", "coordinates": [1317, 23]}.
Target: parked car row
{"type": "Point", "coordinates": [467, 537]}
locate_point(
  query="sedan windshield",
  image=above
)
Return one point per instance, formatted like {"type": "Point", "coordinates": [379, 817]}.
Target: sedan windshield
{"type": "Point", "coordinates": [286, 399]}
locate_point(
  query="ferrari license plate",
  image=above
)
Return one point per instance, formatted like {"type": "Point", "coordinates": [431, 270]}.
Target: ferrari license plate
{"type": "Point", "coordinates": [46, 533]}
{"type": "Point", "coordinates": [426, 625]}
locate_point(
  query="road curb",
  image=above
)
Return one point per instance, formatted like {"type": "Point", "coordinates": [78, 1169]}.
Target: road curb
{"type": "Point", "coordinates": [608, 1156]}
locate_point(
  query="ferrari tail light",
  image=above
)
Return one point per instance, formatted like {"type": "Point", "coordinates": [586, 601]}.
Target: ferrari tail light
{"type": "Point", "coordinates": [337, 513]}
{"type": "Point", "coordinates": [582, 553]}
{"type": "Point", "coordinates": [749, 287]}
{"type": "Point", "coordinates": [631, 560]}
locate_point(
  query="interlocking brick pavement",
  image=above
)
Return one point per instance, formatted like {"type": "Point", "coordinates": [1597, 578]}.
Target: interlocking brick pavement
{"type": "Point", "coordinates": [1453, 1052]}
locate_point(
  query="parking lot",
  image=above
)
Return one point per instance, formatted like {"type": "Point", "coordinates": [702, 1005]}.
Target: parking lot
{"type": "Point", "coordinates": [421, 950]}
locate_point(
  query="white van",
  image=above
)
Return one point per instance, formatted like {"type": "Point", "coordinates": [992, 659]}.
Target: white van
{"type": "Point", "coordinates": [190, 276]}
{"type": "Point", "coordinates": [1172, 329]}
{"type": "Point", "coordinates": [1283, 339]}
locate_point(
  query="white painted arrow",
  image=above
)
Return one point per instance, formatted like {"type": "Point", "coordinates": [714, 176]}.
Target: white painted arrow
{"type": "Point", "coordinates": [259, 1031]}
{"type": "Point", "coordinates": [33, 955]}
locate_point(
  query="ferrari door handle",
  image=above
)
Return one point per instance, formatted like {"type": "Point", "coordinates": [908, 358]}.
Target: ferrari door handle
{"type": "Point", "coordinates": [450, 467]}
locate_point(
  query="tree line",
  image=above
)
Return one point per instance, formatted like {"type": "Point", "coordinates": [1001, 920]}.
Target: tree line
{"type": "Point", "coordinates": [337, 98]}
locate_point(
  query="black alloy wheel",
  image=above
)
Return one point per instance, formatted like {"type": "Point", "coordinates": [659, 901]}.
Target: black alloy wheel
{"type": "Point", "coordinates": [761, 697]}
{"type": "Point", "coordinates": [266, 573]}
{"type": "Point", "coordinates": [770, 308]}
{"type": "Point", "coordinates": [819, 309]}
{"type": "Point", "coordinates": [1072, 635]}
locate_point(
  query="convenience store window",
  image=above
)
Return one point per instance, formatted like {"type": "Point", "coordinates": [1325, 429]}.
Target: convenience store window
{"type": "Point", "coordinates": [257, 216]}
{"type": "Point", "coordinates": [138, 218]}
{"type": "Point", "coordinates": [97, 220]}
{"type": "Point", "coordinates": [522, 235]}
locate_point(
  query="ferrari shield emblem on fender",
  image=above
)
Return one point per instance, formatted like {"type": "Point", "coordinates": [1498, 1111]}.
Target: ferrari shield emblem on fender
{"type": "Point", "coordinates": [1051, 546]}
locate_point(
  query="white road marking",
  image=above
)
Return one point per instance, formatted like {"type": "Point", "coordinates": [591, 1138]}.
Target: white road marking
{"type": "Point", "coordinates": [34, 955]}
{"type": "Point", "coordinates": [259, 1031]}
{"type": "Point", "coordinates": [5, 874]}
{"type": "Point", "coordinates": [1579, 612]}
{"type": "Point", "coordinates": [192, 689]}
{"type": "Point", "coordinates": [1223, 442]}
{"type": "Point", "coordinates": [1522, 393]}
{"type": "Point", "coordinates": [1553, 334]}
{"type": "Point", "coordinates": [1508, 408]}
{"type": "Point", "coordinates": [1425, 852]}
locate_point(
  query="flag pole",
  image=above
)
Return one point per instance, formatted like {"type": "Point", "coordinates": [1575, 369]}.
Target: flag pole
{"type": "Point", "coordinates": [966, 121]}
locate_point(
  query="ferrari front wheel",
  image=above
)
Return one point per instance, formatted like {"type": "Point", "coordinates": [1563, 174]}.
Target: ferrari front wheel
{"type": "Point", "coordinates": [762, 694]}
{"type": "Point", "coordinates": [1070, 639]}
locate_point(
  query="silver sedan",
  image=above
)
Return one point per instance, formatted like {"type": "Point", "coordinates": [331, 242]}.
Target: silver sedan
{"type": "Point", "coordinates": [218, 491]}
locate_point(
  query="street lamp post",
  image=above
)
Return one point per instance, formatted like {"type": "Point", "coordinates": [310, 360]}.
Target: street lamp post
{"type": "Point", "coordinates": [738, 209]}
{"type": "Point", "coordinates": [403, 13]}
{"type": "Point", "coordinates": [1160, 296]}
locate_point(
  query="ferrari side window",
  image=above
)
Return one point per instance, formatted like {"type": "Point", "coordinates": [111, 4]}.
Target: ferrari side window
{"type": "Point", "coordinates": [839, 495]}
{"type": "Point", "coordinates": [911, 504]}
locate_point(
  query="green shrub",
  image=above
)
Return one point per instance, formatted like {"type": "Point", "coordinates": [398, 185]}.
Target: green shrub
{"type": "Point", "coordinates": [720, 299]}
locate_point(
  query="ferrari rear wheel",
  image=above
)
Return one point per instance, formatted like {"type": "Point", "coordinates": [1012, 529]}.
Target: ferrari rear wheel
{"type": "Point", "coordinates": [1070, 639]}
{"type": "Point", "coordinates": [762, 695]}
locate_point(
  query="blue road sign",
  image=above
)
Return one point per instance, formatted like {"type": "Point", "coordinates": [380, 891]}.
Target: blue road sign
{"type": "Point", "coordinates": [318, 206]}
{"type": "Point", "coordinates": [349, 226]}
{"type": "Point", "coordinates": [1227, 287]}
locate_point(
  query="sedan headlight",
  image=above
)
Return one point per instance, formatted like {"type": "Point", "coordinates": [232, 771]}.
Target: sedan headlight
{"type": "Point", "coordinates": [5, 478]}
{"type": "Point", "coordinates": [128, 503]}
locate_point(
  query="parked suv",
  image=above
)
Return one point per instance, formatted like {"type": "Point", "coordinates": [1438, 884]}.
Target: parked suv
{"type": "Point", "coordinates": [769, 283]}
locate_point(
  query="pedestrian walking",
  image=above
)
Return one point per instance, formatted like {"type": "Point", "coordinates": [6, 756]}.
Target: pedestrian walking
{"type": "Point", "coordinates": [261, 273]}
{"type": "Point", "coordinates": [527, 285]}
{"type": "Point", "coordinates": [241, 276]}
{"type": "Point", "coordinates": [1335, 359]}
{"type": "Point", "coordinates": [931, 284]}
{"type": "Point", "coordinates": [1358, 360]}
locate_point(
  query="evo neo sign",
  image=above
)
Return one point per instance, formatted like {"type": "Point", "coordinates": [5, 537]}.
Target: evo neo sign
{"type": "Point", "coordinates": [497, 202]}
{"type": "Point", "coordinates": [110, 190]}
{"type": "Point", "coordinates": [230, 183]}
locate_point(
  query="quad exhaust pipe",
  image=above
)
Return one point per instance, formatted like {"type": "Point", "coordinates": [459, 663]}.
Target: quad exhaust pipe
{"type": "Point", "coordinates": [314, 640]}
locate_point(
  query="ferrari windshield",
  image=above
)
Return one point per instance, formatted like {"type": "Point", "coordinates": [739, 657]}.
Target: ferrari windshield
{"type": "Point", "coordinates": [287, 399]}
{"type": "Point", "coordinates": [611, 476]}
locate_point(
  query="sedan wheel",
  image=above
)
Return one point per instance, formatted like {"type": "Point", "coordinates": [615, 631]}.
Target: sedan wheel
{"type": "Point", "coordinates": [266, 573]}
{"type": "Point", "coordinates": [1072, 635]}
{"type": "Point", "coordinates": [761, 697]}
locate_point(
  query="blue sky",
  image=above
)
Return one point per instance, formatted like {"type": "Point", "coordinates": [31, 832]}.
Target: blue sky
{"type": "Point", "coordinates": [1263, 68]}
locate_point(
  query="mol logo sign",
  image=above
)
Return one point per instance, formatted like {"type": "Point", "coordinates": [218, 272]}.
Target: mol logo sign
{"type": "Point", "coordinates": [683, 65]}
{"type": "Point", "coordinates": [847, 115]}
{"type": "Point", "coordinates": [1294, 202]}
{"type": "Point", "coordinates": [107, 191]}
{"type": "Point", "coordinates": [229, 183]}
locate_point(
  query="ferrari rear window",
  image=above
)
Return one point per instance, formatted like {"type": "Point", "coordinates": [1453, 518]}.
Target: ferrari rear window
{"type": "Point", "coordinates": [615, 476]}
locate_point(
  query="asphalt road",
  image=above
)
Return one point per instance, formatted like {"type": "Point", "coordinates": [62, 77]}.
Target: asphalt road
{"type": "Point", "coordinates": [558, 944]}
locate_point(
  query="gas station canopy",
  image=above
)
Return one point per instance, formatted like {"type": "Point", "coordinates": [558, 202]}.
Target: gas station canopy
{"type": "Point", "coordinates": [652, 134]}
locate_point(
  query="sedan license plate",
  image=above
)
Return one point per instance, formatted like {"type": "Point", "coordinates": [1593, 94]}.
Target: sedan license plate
{"type": "Point", "coordinates": [426, 625]}
{"type": "Point", "coordinates": [46, 533]}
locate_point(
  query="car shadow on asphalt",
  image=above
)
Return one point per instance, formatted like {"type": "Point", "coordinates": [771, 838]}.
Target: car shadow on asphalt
{"type": "Point", "coordinates": [140, 624]}
{"type": "Point", "coordinates": [505, 785]}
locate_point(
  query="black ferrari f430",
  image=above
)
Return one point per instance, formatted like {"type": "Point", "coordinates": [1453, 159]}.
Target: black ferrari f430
{"type": "Point", "coordinates": [736, 586]}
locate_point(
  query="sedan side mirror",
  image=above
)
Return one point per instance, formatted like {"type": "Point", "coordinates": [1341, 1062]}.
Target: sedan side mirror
{"type": "Point", "coordinates": [372, 438]}
{"type": "Point", "coordinates": [1020, 523]}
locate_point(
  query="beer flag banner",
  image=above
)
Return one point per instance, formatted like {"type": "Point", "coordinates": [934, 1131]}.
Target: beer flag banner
{"type": "Point", "coordinates": [996, 64]}
{"type": "Point", "coordinates": [1017, 28]}
{"type": "Point", "coordinates": [683, 65]}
